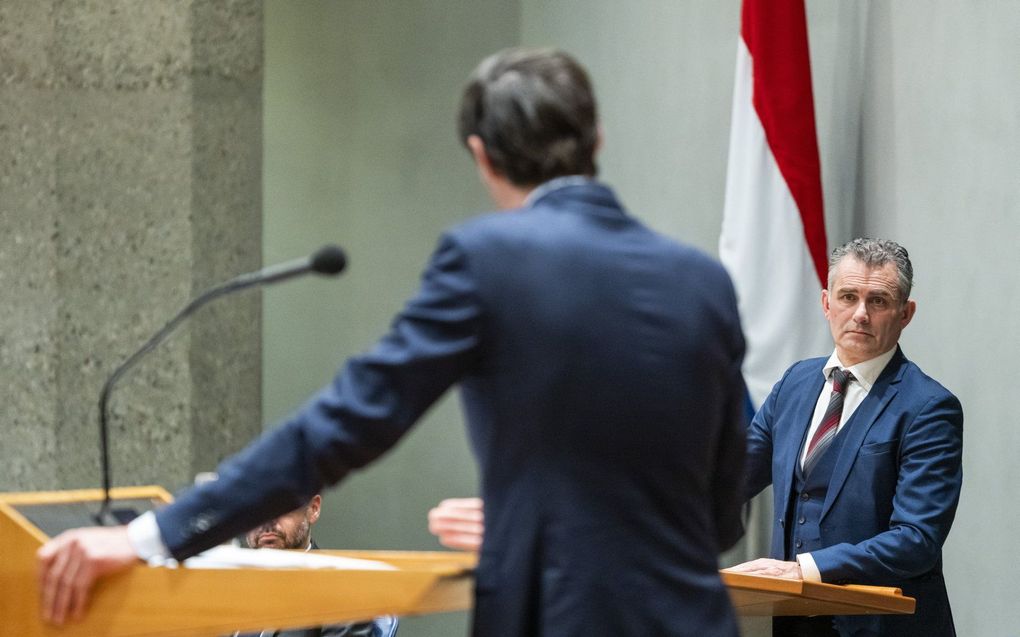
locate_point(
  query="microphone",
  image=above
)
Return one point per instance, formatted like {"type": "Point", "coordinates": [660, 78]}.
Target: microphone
{"type": "Point", "coordinates": [329, 260]}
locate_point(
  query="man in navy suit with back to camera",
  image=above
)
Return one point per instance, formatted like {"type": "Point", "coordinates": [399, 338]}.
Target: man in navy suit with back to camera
{"type": "Point", "coordinates": [864, 454]}
{"type": "Point", "coordinates": [599, 367]}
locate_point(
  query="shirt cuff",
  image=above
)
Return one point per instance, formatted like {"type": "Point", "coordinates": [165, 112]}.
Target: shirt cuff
{"type": "Point", "coordinates": [808, 568]}
{"type": "Point", "coordinates": [145, 538]}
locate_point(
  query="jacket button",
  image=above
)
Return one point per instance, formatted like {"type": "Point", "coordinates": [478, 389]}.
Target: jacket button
{"type": "Point", "coordinates": [798, 543]}
{"type": "Point", "coordinates": [801, 520]}
{"type": "Point", "coordinates": [202, 523]}
{"type": "Point", "coordinates": [804, 496]}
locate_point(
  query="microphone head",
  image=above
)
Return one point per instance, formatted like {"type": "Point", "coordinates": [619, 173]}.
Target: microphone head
{"type": "Point", "coordinates": [329, 260]}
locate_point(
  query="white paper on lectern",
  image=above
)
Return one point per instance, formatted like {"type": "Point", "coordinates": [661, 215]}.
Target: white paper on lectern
{"type": "Point", "coordinates": [236, 557]}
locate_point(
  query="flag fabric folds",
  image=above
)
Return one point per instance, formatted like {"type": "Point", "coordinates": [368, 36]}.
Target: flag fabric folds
{"type": "Point", "coordinates": [773, 235]}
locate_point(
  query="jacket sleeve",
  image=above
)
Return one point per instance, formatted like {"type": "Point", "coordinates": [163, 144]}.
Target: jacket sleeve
{"type": "Point", "coordinates": [758, 474]}
{"type": "Point", "coordinates": [728, 480]}
{"type": "Point", "coordinates": [370, 404]}
{"type": "Point", "coordinates": [729, 475]}
{"type": "Point", "coordinates": [924, 504]}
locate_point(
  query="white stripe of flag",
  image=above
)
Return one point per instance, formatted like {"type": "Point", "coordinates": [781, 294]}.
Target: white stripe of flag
{"type": "Point", "coordinates": [773, 234]}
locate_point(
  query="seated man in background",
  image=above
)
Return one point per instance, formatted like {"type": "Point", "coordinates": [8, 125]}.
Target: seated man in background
{"type": "Point", "coordinates": [294, 531]}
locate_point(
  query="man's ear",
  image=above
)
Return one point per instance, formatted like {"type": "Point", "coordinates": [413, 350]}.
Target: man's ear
{"type": "Point", "coordinates": [314, 508]}
{"type": "Point", "coordinates": [480, 155]}
{"type": "Point", "coordinates": [908, 312]}
{"type": "Point", "coordinates": [503, 192]}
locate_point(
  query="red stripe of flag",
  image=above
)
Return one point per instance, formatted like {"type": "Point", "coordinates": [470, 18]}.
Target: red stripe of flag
{"type": "Point", "coordinates": [786, 108]}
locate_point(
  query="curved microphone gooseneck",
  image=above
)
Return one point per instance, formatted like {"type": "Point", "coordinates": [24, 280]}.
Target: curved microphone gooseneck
{"type": "Point", "coordinates": [329, 260]}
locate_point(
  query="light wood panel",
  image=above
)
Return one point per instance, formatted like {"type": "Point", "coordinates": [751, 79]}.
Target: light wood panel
{"type": "Point", "coordinates": [180, 602]}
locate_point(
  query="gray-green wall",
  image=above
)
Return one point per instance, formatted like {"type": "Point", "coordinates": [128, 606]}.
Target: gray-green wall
{"type": "Point", "coordinates": [360, 150]}
{"type": "Point", "coordinates": [919, 138]}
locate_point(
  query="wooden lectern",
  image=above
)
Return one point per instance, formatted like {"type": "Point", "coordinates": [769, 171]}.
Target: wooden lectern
{"type": "Point", "coordinates": [756, 596]}
{"type": "Point", "coordinates": [181, 602]}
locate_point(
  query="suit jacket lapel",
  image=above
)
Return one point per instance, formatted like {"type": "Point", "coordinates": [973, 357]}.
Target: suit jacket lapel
{"type": "Point", "coordinates": [793, 437]}
{"type": "Point", "coordinates": [862, 420]}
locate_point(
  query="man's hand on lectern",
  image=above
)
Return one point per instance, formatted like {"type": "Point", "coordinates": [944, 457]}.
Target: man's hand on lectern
{"type": "Point", "coordinates": [769, 567]}
{"type": "Point", "coordinates": [458, 523]}
{"type": "Point", "coordinates": [71, 562]}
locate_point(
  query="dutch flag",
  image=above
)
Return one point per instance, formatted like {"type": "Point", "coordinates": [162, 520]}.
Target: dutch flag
{"type": "Point", "coordinates": [773, 234]}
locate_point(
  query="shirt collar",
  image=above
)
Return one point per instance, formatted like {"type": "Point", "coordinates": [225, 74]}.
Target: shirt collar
{"type": "Point", "coordinates": [865, 373]}
{"type": "Point", "coordinates": [555, 184]}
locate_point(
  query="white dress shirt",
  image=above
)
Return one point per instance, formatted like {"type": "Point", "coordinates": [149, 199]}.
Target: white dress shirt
{"type": "Point", "coordinates": [865, 375]}
{"type": "Point", "coordinates": [143, 533]}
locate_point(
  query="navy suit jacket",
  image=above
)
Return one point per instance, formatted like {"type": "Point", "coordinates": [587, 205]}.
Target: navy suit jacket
{"type": "Point", "coordinates": [599, 365]}
{"type": "Point", "coordinates": [893, 493]}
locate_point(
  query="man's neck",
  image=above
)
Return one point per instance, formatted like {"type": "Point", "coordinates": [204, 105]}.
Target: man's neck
{"type": "Point", "coordinates": [867, 371]}
{"type": "Point", "coordinates": [507, 195]}
{"type": "Point", "coordinates": [846, 361]}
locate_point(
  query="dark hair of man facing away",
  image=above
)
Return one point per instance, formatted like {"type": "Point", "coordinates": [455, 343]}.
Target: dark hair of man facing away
{"type": "Point", "coordinates": [535, 111]}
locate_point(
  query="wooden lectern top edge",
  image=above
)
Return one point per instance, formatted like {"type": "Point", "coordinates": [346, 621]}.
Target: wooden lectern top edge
{"type": "Point", "coordinates": [799, 587]}
{"type": "Point", "coordinates": [891, 599]}
{"type": "Point", "coordinates": [762, 582]}
{"type": "Point", "coordinates": [21, 522]}
{"type": "Point", "coordinates": [885, 590]}
{"type": "Point", "coordinates": [156, 493]}
{"type": "Point", "coordinates": [855, 595]}
{"type": "Point", "coordinates": [443, 563]}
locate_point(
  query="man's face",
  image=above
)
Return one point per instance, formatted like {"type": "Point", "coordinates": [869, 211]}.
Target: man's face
{"type": "Point", "coordinates": [289, 531]}
{"type": "Point", "coordinates": [865, 311]}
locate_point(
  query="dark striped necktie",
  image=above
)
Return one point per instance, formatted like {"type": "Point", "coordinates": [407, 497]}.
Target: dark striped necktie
{"type": "Point", "coordinates": [830, 420]}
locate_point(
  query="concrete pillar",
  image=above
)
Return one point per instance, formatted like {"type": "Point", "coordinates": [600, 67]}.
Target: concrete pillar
{"type": "Point", "coordinates": [130, 180]}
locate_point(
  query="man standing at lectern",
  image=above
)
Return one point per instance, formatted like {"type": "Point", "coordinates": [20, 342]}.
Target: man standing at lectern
{"type": "Point", "coordinates": [599, 366]}
{"type": "Point", "coordinates": [864, 454]}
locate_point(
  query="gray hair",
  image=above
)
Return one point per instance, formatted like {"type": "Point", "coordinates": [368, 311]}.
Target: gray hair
{"type": "Point", "coordinates": [875, 253]}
